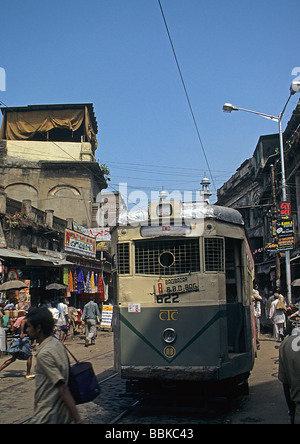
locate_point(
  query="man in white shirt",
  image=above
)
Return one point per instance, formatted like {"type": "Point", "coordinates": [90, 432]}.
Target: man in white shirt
{"type": "Point", "coordinates": [277, 316]}
{"type": "Point", "coordinates": [62, 322]}
{"type": "Point", "coordinates": [256, 298]}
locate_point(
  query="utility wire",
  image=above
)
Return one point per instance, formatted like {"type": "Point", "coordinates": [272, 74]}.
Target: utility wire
{"type": "Point", "coordinates": [186, 93]}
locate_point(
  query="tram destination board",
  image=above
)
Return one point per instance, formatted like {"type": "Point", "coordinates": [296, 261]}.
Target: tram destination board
{"type": "Point", "coordinates": [176, 285]}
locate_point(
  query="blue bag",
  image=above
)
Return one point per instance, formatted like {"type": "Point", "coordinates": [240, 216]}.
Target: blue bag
{"type": "Point", "coordinates": [82, 382]}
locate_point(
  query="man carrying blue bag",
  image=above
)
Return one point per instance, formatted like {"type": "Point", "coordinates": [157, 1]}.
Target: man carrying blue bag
{"type": "Point", "coordinates": [53, 402]}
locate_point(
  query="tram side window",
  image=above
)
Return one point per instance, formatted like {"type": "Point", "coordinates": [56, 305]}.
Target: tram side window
{"type": "Point", "coordinates": [214, 254]}
{"type": "Point", "coordinates": [123, 259]}
{"type": "Point", "coordinates": [233, 270]}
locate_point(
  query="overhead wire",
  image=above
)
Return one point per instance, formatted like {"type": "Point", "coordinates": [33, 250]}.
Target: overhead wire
{"type": "Point", "coordinates": [189, 104]}
{"type": "Point", "coordinates": [187, 97]}
{"type": "Point", "coordinates": [186, 93]}
{"type": "Point", "coordinates": [158, 169]}
{"type": "Point", "coordinates": [144, 168]}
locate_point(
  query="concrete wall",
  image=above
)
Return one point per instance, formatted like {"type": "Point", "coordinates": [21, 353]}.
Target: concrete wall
{"type": "Point", "coordinates": [35, 151]}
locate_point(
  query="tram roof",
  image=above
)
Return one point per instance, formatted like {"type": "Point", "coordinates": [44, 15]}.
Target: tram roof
{"type": "Point", "coordinates": [189, 211]}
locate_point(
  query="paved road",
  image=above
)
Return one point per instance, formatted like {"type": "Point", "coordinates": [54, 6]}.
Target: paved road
{"type": "Point", "coordinates": [264, 405]}
{"type": "Point", "coordinates": [16, 393]}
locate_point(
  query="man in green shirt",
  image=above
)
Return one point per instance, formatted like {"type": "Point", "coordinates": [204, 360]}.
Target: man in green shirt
{"type": "Point", "coordinates": [91, 314]}
{"type": "Point", "coordinates": [289, 373]}
{"type": "Point", "coordinates": [53, 402]}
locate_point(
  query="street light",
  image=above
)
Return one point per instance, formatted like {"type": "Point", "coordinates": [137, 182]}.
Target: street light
{"type": "Point", "coordinates": [228, 108]}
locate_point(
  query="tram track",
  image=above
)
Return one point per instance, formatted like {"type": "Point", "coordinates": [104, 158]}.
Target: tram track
{"type": "Point", "coordinates": [141, 412]}
{"type": "Point", "coordinates": [17, 393]}
{"type": "Point", "coordinates": [108, 378]}
{"type": "Point", "coordinates": [125, 412]}
{"type": "Point", "coordinates": [114, 406]}
{"type": "Point", "coordinates": [83, 358]}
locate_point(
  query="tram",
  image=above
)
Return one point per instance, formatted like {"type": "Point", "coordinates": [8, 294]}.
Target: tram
{"type": "Point", "coordinates": [183, 281]}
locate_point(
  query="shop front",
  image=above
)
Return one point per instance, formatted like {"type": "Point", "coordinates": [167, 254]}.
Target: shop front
{"type": "Point", "coordinates": [87, 276]}
{"type": "Point", "coordinates": [36, 270]}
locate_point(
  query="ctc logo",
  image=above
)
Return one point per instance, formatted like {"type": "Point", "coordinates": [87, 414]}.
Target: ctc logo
{"type": "Point", "coordinates": [168, 315]}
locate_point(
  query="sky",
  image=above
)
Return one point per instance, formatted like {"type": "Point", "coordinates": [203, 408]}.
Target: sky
{"type": "Point", "coordinates": [117, 55]}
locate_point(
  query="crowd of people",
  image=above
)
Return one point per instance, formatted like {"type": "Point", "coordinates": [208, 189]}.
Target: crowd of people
{"type": "Point", "coordinates": [48, 325]}
{"type": "Point", "coordinates": [274, 308]}
{"type": "Point", "coordinates": [286, 331]}
{"type": "Point", "coordinates": [64, 317]}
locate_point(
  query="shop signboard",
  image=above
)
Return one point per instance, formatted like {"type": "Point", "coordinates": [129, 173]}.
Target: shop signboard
{"type": "Point", "coordinates": [102, 236]}
{"type": "Point", "coordinates": [80, 244]}
{"type": "Point", "coordinates": [285, 209]}
{"type": "Point", "coordinates": [282, 245]}
{"type": "Point", "coordinates": [107, 315]}
{"type": "Point", "coordinates": [24, 301]}
{"type": "Point", "coordinates": [283, 232]}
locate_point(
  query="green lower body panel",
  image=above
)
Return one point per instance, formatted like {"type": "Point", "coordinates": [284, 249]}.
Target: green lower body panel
{"type": "Point", "coordinates": [184, 343]}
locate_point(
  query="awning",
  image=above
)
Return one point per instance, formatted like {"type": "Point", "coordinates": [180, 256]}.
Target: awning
{"type": "Point", "coordinates": [23, 123]}
{"type": "Point", "coordinates": [33, 258]}
{"type": "Point", "coordinates": [282, 260]}
{"type": "Point", "coordinates": [264, 267]}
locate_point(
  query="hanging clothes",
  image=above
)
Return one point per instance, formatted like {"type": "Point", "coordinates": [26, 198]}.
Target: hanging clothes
{"type": "Point", "coordinates": [75, 285]}
{"type": "Point", "coordinates": [88, 288]}
{"type": "Point", "coordinates": [70, 281]}
{"type": "Point", "coordinates": [100, 288]}
{"type": "Point", "coordinates": [65, 276]}
{"type": "Point", "coordinates": [93, 287]}
{"type": "Point", "coordinates": [80, 280]}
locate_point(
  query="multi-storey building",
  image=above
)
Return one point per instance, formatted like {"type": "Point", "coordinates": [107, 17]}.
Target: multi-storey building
{"type": "Point", "coordinates": [256, 191]}
{"type": "Point", "coordinates": [50, 187]}
{"type": "Point", "coordinates": [47, 155]}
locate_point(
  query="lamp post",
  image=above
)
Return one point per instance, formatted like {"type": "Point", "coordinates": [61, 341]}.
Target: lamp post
{"type": "Point", "coordinates": [228, 108]}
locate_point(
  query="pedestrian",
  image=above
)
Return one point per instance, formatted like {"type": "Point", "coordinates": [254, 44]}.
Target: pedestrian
{"type": "Point", "coordinates": [2, 333]}
{"type": "Point", "coordinates": [277, 316]}
{"type": "Point", "coordinates": [91, 315]}
{"type": "Point", "coordinates": [268, 304]}
{"type": "Point", "coordinates": [256, 298]}
{"type": "Point", "coordinates": [288, 374]}
{"type": "Point", "coordinates": [53, 402]}
{"type": "Point", "coordinates": [62, 322]}
{"type": "Point", "coordinates": [55, 313]}
{"type": "Point", "coordinates": [20, 347]}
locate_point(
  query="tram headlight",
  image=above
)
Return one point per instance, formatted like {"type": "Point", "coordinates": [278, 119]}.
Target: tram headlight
{"type": "Point", "coordinates": [169, 335]}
